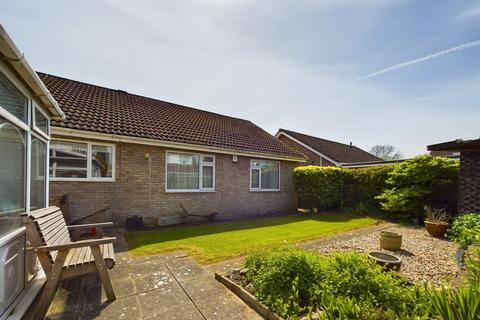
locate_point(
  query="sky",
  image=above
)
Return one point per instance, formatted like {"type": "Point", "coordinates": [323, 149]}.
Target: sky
{"type": "Point", "coordinates": [398, 72]}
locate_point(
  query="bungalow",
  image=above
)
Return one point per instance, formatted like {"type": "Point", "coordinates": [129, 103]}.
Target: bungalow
{"type": "Point", "coordinates": [26, 108]}
{"type": "Point", "coordinates": [130, 155]}
{"type": "Point", "coordinates": [469, 178]}
{"type": "Point", "coordinates": [322, 152]}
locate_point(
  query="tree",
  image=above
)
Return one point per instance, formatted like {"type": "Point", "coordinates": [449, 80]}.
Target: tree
{"type": "Point", "coordinates": [386, 152]}
{"type": "Point", "coordinates": [418, 182]}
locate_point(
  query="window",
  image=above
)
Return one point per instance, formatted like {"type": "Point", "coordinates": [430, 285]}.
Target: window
{"type": "Point", "coordinates": [264, 175]}
{"type": "Point", "coordinates": [79, 160]}
{"type": "Point", "coordinates": [190, 172]}
{"type": "Point", "coordinates": [37, 177]}
{"type": "Point", "coordinates": [12, 176]}
{"type": "Point", "coordinates": [102, 161]}
{"type": "Point", "coordinates": [12, 100]}
{"type": "Point", "coordinates": [40, 122]}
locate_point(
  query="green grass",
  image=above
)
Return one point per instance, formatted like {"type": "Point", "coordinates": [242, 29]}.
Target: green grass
{"type": "Point", "coordinates": [214, 242]}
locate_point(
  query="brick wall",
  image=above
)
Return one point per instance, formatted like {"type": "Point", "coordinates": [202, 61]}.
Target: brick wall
{"type": "Point", "coordinates": [313, 158]}
{"type": "Point", "coordinates": [140, 189]}
{"type": "Point", "coordinates": [469, 188]}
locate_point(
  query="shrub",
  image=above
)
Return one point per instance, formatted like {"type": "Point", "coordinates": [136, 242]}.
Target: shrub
{"type": "Point", "coordinates": [362, 185]}
{"type": "Point", "coordinates": [347, 285]}
{"type": "Point", "coordinates": [465, 229]}
{"type": "Point", "coordinates": [415, 183]}
{"type": "Point", "coordinates": [462, 303]}
{"type": "Point", "coordinates": [319, 187]}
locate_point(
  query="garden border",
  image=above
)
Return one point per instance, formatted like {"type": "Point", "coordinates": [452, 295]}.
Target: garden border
{"type": "Point", "coordinates": [248, 298]}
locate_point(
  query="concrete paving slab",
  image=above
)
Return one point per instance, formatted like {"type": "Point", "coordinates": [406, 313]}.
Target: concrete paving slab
{"type": "Point", "coordinates": [203, 286]}
{"type": "Point", "coordinates": [152, 281]}
{"type": "Point", "coordinates": [225, 305]}
{"type": "Point", "coordinates": [122, 309]}
{"type": "Point", "coordinates": [185, 311]}
{"type": "Point", "coordinates": [185, 269]}
{"type": "Point", "coordinates": [159, 301]}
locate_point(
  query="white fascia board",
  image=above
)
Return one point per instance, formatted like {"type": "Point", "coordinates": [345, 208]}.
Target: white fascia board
{"type": "Point", "coordinates": [16, 59]}
{"type": "Point", "coordinates": [65, 132]}
{"type": "Point", "coordinates": [338, 164]}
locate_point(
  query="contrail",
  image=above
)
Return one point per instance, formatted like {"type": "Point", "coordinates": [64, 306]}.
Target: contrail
{"type": "Point", "coordinates": [415, 61]}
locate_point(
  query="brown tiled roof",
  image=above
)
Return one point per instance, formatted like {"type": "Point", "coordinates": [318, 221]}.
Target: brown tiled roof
{"type": "Point", "coordinates": [98, 109]}
{"type": "Point", "coordinates": [342, 153]}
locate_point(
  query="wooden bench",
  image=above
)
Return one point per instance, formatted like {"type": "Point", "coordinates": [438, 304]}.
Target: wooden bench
{"type": "Point", "coordinates": [62, 257]}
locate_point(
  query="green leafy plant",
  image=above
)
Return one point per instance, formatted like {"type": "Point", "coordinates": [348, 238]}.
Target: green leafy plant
{"type": "Point", "coordinates": [465, 229]}
{"type": "Point", "coordinates": [328, 188]}
{"type": "Point", "coordinates": [339, 286]}
{"type": "Point", "coordinates": [418, 182]}
{"type": "Point", "coordinates": [462, 303]}
{"type": "Point", "coordinates": [362, 185]}
{"type": "Point", "coordinates": [319, 187]}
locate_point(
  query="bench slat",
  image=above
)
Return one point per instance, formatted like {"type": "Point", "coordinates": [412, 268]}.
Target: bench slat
{"type": "Point", "coordinates": [43, 212]}
{"type": "Point", "coordinates": [46, 219]}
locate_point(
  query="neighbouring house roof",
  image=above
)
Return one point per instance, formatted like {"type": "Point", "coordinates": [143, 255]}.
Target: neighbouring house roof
{"type": "Point", "coordinates": [102, 110]}
{"type": "Point", "coordinates": [338, 152]}
{"type": "Point", "coordinates": [12, 56]}
{"type": "Point", "coordinates": [456, 145]}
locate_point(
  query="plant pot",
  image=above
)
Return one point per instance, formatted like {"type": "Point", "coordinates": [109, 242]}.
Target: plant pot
{"type": "Point", "coordinates": [436, 229]}
{"type": "Point", "coordinates": [390, 240]}
{"type": "Point", "coordinates": [387, 261]}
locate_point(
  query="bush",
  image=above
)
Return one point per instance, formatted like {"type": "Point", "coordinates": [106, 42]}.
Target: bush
{"type": "Point", "coordinates": [319, 187]}
{"type": "Point", "coordinates": [340, 286]}
{"type": "Point", "coordinates": [462, 303]}
{"type": "Point", "coordinates": [363, 185]}
{"type": "Point", "coordinates": [465, 229]}
{"type": "Point", "coordinates": [418, 182]}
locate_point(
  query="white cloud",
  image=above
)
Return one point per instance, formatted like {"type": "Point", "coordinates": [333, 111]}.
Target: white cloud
{"type": "Point", "coordinates": [472, 12]}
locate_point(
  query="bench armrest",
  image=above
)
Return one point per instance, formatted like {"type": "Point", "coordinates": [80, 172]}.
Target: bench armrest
{"type": "Point", "coordinates": [91, 225]}
{"type": "Point", "coordinates": [77, 244]}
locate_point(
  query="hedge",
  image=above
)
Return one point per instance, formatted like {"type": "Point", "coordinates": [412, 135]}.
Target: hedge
{"type": "Point", "coordinates": [421, 181]}
{"type": "Point", "coordinates": [319, 187]}
{"type": "Point", "coordinates": [330, 188]}
{"type": "Point", "coordinates": [404, 187]}
{"type": "Point", "coordinates": [362, 185]}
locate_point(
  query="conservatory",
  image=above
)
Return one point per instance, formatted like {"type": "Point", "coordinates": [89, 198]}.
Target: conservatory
{"type": "Point", "coordinates": [26, 108]}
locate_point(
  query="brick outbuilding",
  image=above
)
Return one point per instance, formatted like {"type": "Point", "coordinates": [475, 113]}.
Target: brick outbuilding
{"type": "Point", "coordinates": [469, 178]}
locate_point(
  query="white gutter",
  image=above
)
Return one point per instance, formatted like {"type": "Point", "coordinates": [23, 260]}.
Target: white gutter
{"type": "Point", "coordinates": [65, 132]}
{"type": "Point", "coordinates": [12, 55]}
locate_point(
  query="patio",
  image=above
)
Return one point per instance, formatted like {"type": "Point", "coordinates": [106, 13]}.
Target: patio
{"type": "Point", "coordinates": [166, 286]}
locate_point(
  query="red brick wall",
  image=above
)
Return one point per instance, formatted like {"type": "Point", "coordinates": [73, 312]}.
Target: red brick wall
{"type": "Point", "coordinates": [313, 158]}
{"type": "Point", "coordinates": [469, 188]}
{"type": "Point", "coordinates": [140, 189]}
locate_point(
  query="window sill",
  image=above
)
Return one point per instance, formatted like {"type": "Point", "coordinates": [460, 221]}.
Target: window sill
{"type": "Point", "coordinates": [265, 190]}
{"type": "Point", "coordinates": [81, 180]}
{"type": "Point", "coordinates": [190, 191]}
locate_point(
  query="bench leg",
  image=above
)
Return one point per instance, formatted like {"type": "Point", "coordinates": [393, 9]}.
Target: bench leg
{"type": "Point", "coordinates": [48, 292]}
{"type": "Point", "coordinates": [103, 272]}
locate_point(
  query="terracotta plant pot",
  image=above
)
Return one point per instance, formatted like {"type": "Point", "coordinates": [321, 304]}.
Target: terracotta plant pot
{"type": "Point", "coordinates": [390, 240]}
{"type": "Point", "coordinates": [436, 229]}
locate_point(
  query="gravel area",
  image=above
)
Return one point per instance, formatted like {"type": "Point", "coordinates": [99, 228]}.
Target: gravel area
{"type": "Point", "coordinates": [425, 259]}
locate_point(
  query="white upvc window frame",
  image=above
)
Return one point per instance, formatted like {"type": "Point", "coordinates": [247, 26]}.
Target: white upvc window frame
{"type": "Point", "coordinates": [259, 189]}
{"type": "Point", "coordinates": [37, 130]}
{"type": "Point", "coordinates": [201, 164]}
{"type": "Point", "coordinates": [89, 162]}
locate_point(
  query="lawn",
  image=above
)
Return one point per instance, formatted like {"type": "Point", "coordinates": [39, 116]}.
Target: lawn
{"type": "Point", "coordinates": [218, 241]}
